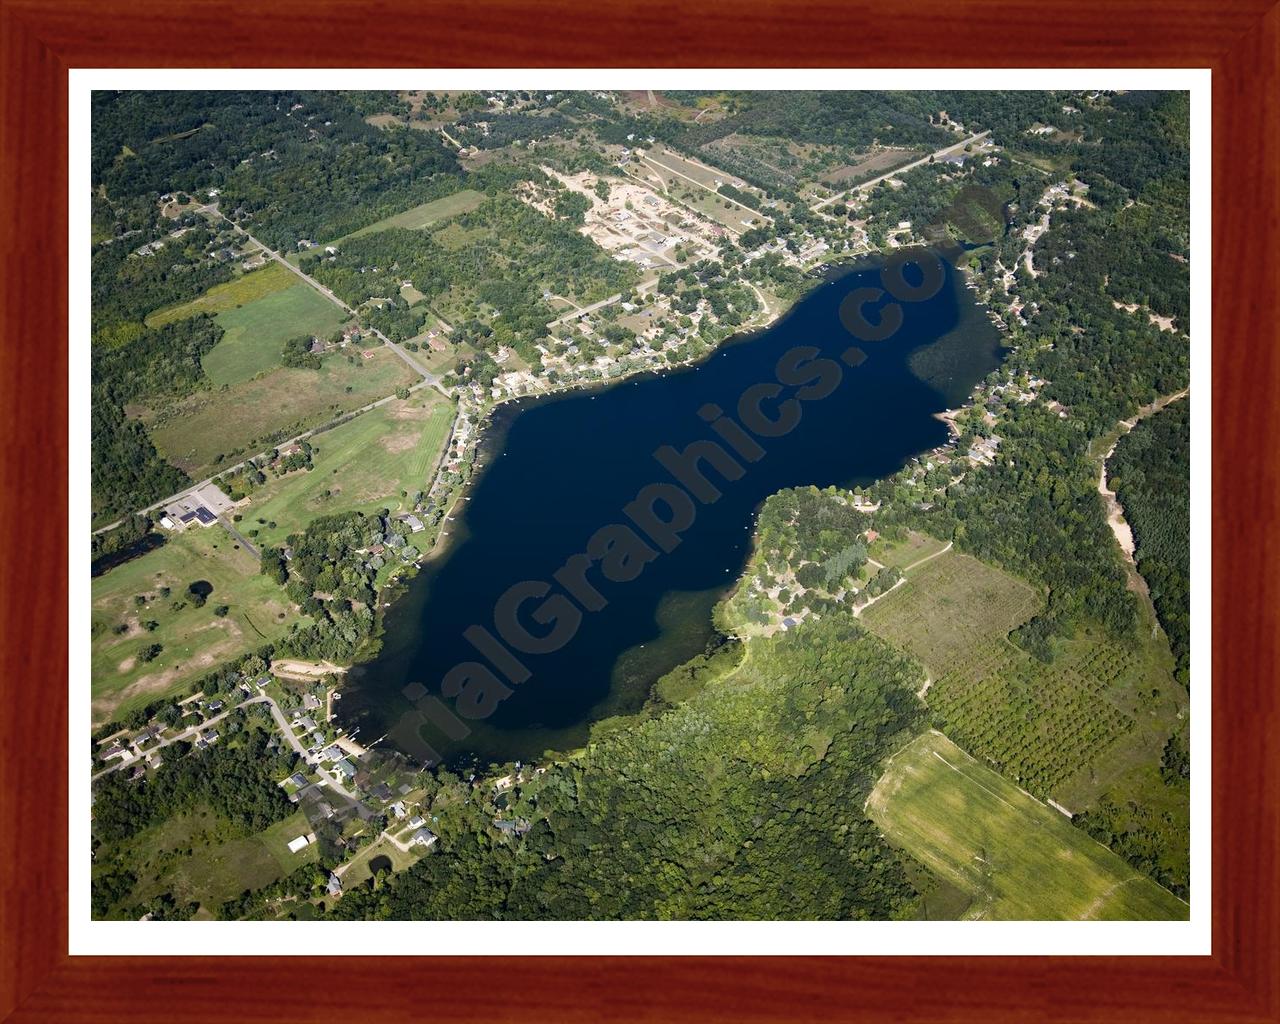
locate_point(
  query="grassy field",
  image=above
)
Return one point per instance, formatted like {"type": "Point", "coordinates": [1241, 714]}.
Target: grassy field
{"type": "Point", "coordinates": [358, 871]}
{"type": "Point", "coordinates": [422, 216]}
{"type": "Point", "coordinates": [193, 639]}
{"type": "Point", "coordinates": [239, 419]}
{"type": "Point", "coordinates": [948, 605]}
{"type": "Point", "coordinates": [361, 465]}
{"type": "Point", "coordinates": [222, 297]}
{"type": "Point", "coordinates": [219, 866]}
{"type": "Point", "coordinates": [1017, 858]}
{"type": "Point", "coordinates": [258, 312]}
{"type": "Point", "coordinates": [256, 333]}
{"type": "Point", "coordinates": [1086, 730]}
{"type": "Point", "coordinates": [908, 551]}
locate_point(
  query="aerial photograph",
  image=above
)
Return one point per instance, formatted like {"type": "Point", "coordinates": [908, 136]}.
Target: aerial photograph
{"type": "Point", "coordinates": [620, 505]}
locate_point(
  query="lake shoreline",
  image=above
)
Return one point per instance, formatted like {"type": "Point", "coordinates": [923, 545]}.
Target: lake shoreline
{"type": "Point", "coordinates": [412, 599]}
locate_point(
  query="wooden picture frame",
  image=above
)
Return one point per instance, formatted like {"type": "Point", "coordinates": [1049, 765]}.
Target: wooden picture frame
{"type": "Point", "coordinates": [40, 40]}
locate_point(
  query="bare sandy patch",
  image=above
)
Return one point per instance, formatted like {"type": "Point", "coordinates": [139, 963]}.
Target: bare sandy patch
{"type": "Point", "coordinates": [292, 668]}
{"type": "Point", "coordinates": [404, 441]}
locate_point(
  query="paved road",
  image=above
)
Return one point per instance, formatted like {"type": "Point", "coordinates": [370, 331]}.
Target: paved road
{"type": "Point", "coordinates": [327, 777]}
{"type": "Point", "coordinates": [428, 379]}
{"type": "Point", "coordinates": [244, 462]}
{"type": "Point", "coordinates": [412, 363]}
{"type": "Point", "coordinates": [329, 780]}
{"type": "Point", "coordinates": [186, 734]}
{"type": "Point", "coordinates": [582, 311]}
{"type": "Point", "coordinates": [714, 192]}
{"type": "Point", "coordinates": [936, 155]}
{"type": "Point", "coordinates": [226, 524]}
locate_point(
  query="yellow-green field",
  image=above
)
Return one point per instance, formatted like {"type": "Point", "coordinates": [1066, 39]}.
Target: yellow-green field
{"type": "Point", "coordinates": [228, 295]}
{"type": "Point", "coordinates": [239, 419]}
{"type": "Point", "coordinates": [258, 313]}
{"type": "Point", "coordinates": [1018, 859]}
{"type": "Point", "coordinates": [194, 640]}
{"type": "Point", "coordinates": [254, 335]}
{"type": "Point", "coordinates": [1086, 728]}
{"type": "Point", "coordinates": [361, 465]}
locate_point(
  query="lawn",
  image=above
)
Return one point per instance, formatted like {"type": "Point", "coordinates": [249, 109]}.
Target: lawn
{"type": "Point", "coordinates": [358, 870]}
{"type": "Point", "coordinates": [1017, 858]}
{"type": "Point", "coordinates": [361, 465]}
{"type": "Point", "coordinates": [193, 640]}
{"type": "Point", "coordinates": [210, 427]}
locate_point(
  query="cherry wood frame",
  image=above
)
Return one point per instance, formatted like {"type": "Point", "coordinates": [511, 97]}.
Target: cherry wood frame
{"type": "Point", "coordinates": [41, 39]}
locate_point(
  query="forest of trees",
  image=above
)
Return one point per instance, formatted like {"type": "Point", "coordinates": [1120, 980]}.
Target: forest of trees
{"type": "Point", "coordinates": [234, 779]}
{"type": "Point", "coordinates": [744, 801]}
{"type": "Point", "coordinates": [1151, 475]}
{"type": "Point", "coordinates": [332, 578]}
{"type": "Point", "coordinates": [509, 254]}
{"type": "Point", "coordinates": [300, 164]}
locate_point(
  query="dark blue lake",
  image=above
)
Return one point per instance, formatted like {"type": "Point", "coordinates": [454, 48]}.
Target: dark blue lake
{"type": "Point", "coordinates": [555, 470]}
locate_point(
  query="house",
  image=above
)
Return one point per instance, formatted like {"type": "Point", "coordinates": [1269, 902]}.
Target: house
{"type": "Point", "coordinates": [398, 809]}
{"type": "Point", "coordinates": [215, 706]}
{"type": "Point", "coordinates": [346, 768]}
{"type": "Point", "coordinates": [310, 702]}
{"type": "Point", "coordinates": [334, 888]}
{"type": "Point", "coordinates": [414, 523]}
{"type": "Point", "coordinates": [117, 749]}
{"type": "Point", "coordinates": [788, 622]}
{"type": "Point", "coordinates": [381, 791]}
{"type": "Point", "coordinates": [423, 837]}
{"type": "Point", "coordinates": [210, 736]}
{"type": "Point", "coordinates": [416, 821]}
{"type": "Point", "coordinates": [332, 752]}
{"type": "Point", "coordinates": [298, 779]}
{"type": "Point", "coordinates": [305, 724]}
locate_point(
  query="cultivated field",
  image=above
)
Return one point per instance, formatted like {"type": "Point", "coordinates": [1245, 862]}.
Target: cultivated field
{"type": "Point", "coordinates": [361, 465]}
{"type": "Point", "coordinates": [252, 414]}
{"type": "Point", "coordinates": [1087, 728]}
{"type": "Point", "coordinates": [192, 639]}
{"type": "Point", "coordinates": [1017, 858]}
{"type": "Point", "coordinates": [948, 606]}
